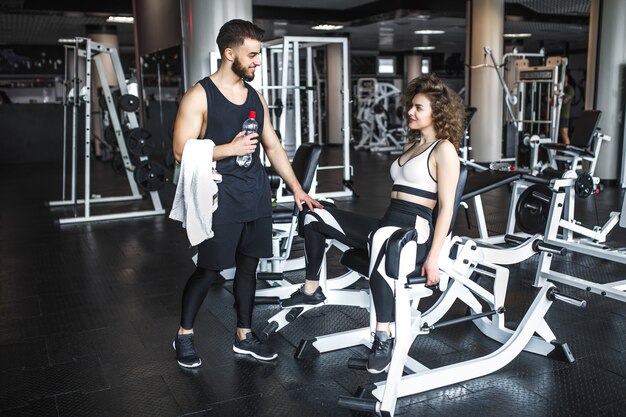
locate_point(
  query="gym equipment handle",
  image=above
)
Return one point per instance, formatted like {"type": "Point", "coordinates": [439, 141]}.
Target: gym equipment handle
{"type": "Point", "coordinates": [540, 246]}
{"type": "Point", "coordinates": [514, 240]}
{"type": "Point", "coordinates": [416, 280]}
{"type": "Point", "coordinates": [366, 405]}
{"type": "Point", "coordinates": [555, 295]}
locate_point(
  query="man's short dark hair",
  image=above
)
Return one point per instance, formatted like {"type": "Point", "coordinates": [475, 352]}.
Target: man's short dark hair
{"type": "Point", "coordinates": [235, 32]}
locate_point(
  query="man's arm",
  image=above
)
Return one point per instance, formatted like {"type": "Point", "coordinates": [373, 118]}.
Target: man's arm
{"type": "Point", "coordinates": [189, 118]}
{"type": "Point", "coordinates": [188, 125]}
{"type": "Point", "coordinates": [278, 157]}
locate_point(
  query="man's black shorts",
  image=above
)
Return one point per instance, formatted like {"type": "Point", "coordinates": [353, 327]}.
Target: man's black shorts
{"type": "Point", "coordinates": [253, 238]}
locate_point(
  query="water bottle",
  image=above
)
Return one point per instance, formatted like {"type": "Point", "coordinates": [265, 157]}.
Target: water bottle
{"type": "Point", "coordinates": [249, 126]}
{"type": "Point", "coordinates": [500, 166]}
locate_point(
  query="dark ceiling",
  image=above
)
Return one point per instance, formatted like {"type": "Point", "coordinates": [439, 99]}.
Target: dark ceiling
{"type": "Point", "coordinates": [373, 26]}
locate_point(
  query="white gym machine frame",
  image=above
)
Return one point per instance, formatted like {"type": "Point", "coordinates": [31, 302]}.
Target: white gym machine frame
{"type": "Point", "coordinates": [560, 218]}
{"type": "Point", "coordinates": [291, 47]}
{"type": "Point", "coordinates": [91, 51]}
{"type": "Point", "coordinates": [406, 376]}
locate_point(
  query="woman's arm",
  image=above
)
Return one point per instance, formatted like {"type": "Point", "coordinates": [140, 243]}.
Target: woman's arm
{"type": "Point", "coordinates": [447, 168]}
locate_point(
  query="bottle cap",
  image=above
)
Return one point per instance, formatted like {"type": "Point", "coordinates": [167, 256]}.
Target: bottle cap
{"type": "Point", "coordinates": [252, 114]}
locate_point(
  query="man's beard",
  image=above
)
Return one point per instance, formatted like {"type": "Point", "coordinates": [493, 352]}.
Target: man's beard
{"type": "Point", "coordinates": [241, 71]}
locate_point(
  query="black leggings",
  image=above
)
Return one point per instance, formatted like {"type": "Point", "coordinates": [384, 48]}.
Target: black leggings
{"type": "Point", "coordinates": [354, 230]}
{"type": "Point", "coordinates": [244, 287]}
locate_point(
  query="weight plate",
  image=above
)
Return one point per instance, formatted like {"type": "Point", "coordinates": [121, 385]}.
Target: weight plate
{"type": "Point", "coordinates": [531, 213]}
{"type": "Point", "coordinates": [129, 102]}
{"type": "Point", "coordinates": [584, 185]}
{"type": "Point", "coordinates": [118, 164]}
{"type": "Point", "coordinates": [140, 142]}
{"type": "Point", "coordinates": [109, 136]}
{"type": "Point", "coordinates": [150, 176]}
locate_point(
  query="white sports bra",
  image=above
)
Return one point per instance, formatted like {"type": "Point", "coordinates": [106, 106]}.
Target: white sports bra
{"type": "Point", "coordinates": [414, 176]}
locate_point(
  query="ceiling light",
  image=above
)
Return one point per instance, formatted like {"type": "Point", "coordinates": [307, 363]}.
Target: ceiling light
{"type": "Point", "coordinates": [517, 35]}
{"type": "Point", "coordinates": [429, 32]}
{"type": "Point", "coordinates": [120, 19]}
{"type": "Point", "coordinates": [327, 27]}
{"type": "Point", "coordinates": [423, 48]}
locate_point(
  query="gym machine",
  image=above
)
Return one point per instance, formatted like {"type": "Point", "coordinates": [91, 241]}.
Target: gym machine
{"type": "Point", "coordinates": [533, 104]}
{"type": "Point", "coordinates": [560, 229]}
{"type": "Point", "coordinates": [374, 100]}
{"type": "Point", "coordinates": [147, 175]}
{"type": "Point", "coordinates": [282, 88]}
{"type": "Point", "coordinates": [406, 376]}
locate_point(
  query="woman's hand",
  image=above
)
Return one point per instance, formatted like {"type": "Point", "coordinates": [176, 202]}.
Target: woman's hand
{"type": "Point", "coordinates": [430, 269]}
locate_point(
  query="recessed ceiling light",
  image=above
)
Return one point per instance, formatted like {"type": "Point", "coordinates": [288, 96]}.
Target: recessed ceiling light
{"type": "Point", "coordinates": [121, 19]}
{"type": "Point", "coordinates": [429, 32]}
{"type": "Point", "coordinates": [517, 35]}
{"type": "Point", "coordinates": [327, 27]}
{"type": "Point", "coordinates": [423, 48]}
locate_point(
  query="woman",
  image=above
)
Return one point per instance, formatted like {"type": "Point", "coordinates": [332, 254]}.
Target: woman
{"type": "Point", "coordinates": [425, 175]}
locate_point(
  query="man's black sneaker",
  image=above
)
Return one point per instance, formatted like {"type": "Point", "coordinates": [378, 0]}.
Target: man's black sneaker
{"type": "Point", "coordinates": [380, 356]}
{"type": "Point", "coordinates": [299, 297]}
{"type": "Point", "coordinates": [186, 355]}
{"type": "Point", "coordinates": [254, 347]}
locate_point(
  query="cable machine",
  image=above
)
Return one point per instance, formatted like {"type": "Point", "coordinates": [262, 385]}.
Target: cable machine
{"type": "Point", "coordinates": [283, 90]}
{"type": "Point", "coordinates": [148, 174]}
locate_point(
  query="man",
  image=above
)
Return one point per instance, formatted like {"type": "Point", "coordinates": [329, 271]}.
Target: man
{"type": "Point", "coordinates": [215, 109]}
{"type": "Point", "coordinates": [568, 96]}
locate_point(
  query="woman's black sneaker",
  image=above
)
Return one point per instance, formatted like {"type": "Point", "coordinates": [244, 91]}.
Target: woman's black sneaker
{"type": "Point", "coordinates": [300, 297]}
{"type": "Point", "coordinates": [186, 355]}
{"type": "Point", "coordinates": [380, 356]}
{"type": "Point", "coordinates": [254, 347]}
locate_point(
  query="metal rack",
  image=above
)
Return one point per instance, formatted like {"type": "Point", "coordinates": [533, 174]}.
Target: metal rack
{"type": "Point", "coordinates": [86, 51]}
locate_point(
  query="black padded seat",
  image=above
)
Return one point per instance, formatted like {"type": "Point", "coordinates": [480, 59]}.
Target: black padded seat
{"type": "Point", "coordinates": [582, 136]}
{"type": "Point", "coordinates": [304, 165]}
{"type": "Point", "coordinates": [282, 214]}
{"type": "Point", "coordinates": [357, 260]}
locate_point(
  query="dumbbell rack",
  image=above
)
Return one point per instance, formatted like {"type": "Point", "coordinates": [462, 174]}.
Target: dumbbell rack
{"type": "Point", "coordinates": [93, 51]}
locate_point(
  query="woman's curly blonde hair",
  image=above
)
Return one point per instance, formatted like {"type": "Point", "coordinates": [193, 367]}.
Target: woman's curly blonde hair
{"type": "Point", "coordinates": [447, 107]}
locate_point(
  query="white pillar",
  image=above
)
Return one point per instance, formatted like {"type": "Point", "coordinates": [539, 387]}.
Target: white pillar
{"type": "Point", "coordinates": [486, 28]}
{"type": "Point", "coordinates": [608, 79]}
{"type": "Point", "coordinates": [201, 21]}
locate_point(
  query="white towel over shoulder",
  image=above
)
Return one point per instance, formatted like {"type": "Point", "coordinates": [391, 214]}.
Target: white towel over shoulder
{"type": "Point", "coordinates": [194, 202]}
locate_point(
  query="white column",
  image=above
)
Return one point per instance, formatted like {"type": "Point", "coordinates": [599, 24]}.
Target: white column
{"type": "Point", "coordinates": [486, 28]}
{"type": "Point", "coordinates": [608, 79]}
{"type": "Point", "coordinates": [201, 21]}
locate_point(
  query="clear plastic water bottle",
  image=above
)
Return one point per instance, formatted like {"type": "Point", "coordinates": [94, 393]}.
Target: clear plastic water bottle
{"type": "Point", "coordinates": [500, 166]}
{"type": "Point", "coordinates": [249, 126]}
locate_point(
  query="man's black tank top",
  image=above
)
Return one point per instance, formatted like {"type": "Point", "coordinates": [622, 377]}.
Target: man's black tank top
{"type": "Point", "coordinates": [244, 193]}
